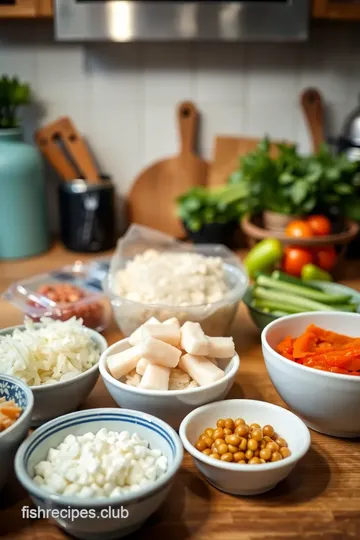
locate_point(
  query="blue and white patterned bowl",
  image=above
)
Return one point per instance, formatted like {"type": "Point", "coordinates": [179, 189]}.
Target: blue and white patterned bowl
{"type": "Point", "coordinates": [12, 437]}
{"type": "Point", "coordinates": [140, 504]}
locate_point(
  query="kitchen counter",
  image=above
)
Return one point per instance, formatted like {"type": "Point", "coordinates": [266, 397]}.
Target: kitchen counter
{"type": "Point", "coordinates": [320, 500]}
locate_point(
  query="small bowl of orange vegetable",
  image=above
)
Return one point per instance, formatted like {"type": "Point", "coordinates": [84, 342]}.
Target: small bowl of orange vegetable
{"type": "Point", "coordinates": [254, 445]}
{"type": "Point", "coordinates": [16, 404]}
{"type": "Point", "coordinates": [313, 360]}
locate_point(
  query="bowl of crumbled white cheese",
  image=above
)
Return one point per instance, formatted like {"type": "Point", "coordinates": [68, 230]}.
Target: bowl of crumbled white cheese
{"type": "Point", "coordinates": [102, 472]}
{"type": "Point", "coordinates": [58, 360]}
{"type": "Point", "coordinates": [202, 283]}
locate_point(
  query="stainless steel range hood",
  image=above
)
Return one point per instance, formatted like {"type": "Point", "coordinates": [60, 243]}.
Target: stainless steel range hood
{"type": "Point", "coordinates": [168, 20]}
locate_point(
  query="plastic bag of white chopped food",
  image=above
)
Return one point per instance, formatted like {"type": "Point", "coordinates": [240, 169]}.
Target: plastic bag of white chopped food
{"type": "Point", "coordinates": [46, 353]}
{"type": "Point", "coordinates": [153, 275]}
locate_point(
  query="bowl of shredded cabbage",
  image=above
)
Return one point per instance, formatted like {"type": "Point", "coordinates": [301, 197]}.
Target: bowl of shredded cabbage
{"type": "Point", "coordinates": [58, 360]}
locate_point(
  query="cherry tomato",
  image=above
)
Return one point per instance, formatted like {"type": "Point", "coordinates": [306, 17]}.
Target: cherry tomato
{"type": "Point", "coordinates": [298, 229]}
{"type": "Point", "coordinates": [319, 225]}
{"type": "Point", "coordinates": [326, 257]}
{"type": "Point", "coordinates": [295, 258]}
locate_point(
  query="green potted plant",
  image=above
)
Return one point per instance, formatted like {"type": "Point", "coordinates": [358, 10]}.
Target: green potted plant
{"type": "Point", "coordinates": [212, 215]}
{"type": "Point", "coordinates": [23, 222]}
{"type": "Point", "coordinates": [290, 185]}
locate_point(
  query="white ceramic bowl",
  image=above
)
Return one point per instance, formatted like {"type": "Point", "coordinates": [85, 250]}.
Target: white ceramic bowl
{"type": "Point", "coordinates": [327, 402]}
{"type": "Point", "coordinates": [243, 479]}
{"type": "Point", "coordinates": [10, 438]}
{"type": "Point", "coordinates": [171, 406]}
{"type": "Point", "coordinates": [51, 401]}
{"type": "Point", "coordinates": [140, 504]}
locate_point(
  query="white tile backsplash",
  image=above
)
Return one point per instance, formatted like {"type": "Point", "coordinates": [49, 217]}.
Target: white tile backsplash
{"type": "Point", "coordinates": [123, 97]}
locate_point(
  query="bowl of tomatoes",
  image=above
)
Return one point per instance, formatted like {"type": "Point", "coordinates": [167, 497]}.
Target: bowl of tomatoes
{"type": "Point", "coordinates": [312, 240]}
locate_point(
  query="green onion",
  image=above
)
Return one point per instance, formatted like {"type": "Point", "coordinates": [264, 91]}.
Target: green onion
{"type": "Point", "coordinates": [302, 291]}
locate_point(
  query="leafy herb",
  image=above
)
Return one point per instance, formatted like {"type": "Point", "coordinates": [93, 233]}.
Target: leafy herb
{"type": "Point", "coordinates": [293, 184]}
{"type": "Point", "coordinates": [12, 95]}
{"type": "Point", "coordinates": [200, 206]}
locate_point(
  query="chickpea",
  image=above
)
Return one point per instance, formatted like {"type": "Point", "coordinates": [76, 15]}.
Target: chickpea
{"type": "Point", "coordinates": [209, 432]}
{"type": "Point", "coordinates": [220, 423]}
{"type": "Point", "coordinates": [208, 441]}
{"type": "Point", "coordinates": [267, 438]}
{"type": "Point", "coordinates": [242, 430]}
{"type": "Point", "coordinates": [229, 423]}
{"type": "Point", "coordinates": [239, 456]}
{"type": "Point", "coordinates": [233, 439]}
{"type": "Point", "coordinates": [202, 436]}
{"type": "Point", "coordinates": [223, 449]}
{"type": "Point", "coordinates": [227, 457]}
{"type": "Point", "coordinates": [254, 461]}
{"type": "Point", "coordinates": [276, 456]}
{"type": "Point", "coordinates": [219, 441]}
{"type": "Point", "coordinates": [285, 452]}
{"type": "Point", "coordinates": [218, 434]}
{"type": "Point", "coordinates": [214, 449]}
{"type": "Point", "coordinates": [273, 446]}
{"type": "Point", "coordinates": [233, 448]}
{"type": "Point", "coordinates": [263, 444]}
{"type": "Point", "coordinates": [281, 442]}
{"type": "Point", "coordinates": [257, 453]}
{"type": "Point", "coordinates": [227, 432]}
{"type": "Point", "coordinates": [257, 434]}
{"type": "Point", "coordinates": [249, 454]}
{"type": "Point", "coordinates": [268, 430]}
{"type": "Point", "coordinates": [242, 462]}
{"type": "Point", "coordinates": [200, 445]}
{"type": "Point", "coordinates": [254, 426]}
{"type": "Point", "coordinates": [215, 455]}
{"type": "Point", "coordinates": [207, 451]}
{"type": "Point", "coordinates": [265, 454]}
{"type": "Point", "coordinates": [253, 445]}
{"type": "Point", "coordinates": [262, 460]}
{"type": "Point", "coordinates": [239, 422]}
{"type": "Point", "coordinates": [243, 444]}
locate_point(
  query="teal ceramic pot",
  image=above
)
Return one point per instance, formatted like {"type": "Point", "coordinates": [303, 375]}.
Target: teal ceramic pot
{"type": "Point", "coordinates": [23, 219]}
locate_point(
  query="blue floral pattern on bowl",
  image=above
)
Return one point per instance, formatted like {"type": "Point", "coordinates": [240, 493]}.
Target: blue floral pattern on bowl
{"type": "Point", "coordinates": [10, 390]}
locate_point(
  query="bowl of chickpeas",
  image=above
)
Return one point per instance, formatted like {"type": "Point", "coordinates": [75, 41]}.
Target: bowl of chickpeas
{"type": "Point", "coordinates": [242, 446]}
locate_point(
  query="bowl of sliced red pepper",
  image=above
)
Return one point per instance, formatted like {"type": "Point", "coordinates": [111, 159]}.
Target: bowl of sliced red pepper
{"type": "Point", "coordinates": [313, 360]}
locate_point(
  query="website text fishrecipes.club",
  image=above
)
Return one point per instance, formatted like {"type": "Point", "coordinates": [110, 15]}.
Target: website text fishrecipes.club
{"type": "Point", "coordinates": [72, 514]}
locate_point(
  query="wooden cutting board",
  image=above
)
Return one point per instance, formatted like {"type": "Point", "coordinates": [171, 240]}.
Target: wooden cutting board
{"type": "Point", "coordinates": [152, 197]}
{"type": "Point", "coordinates": [226, 157]}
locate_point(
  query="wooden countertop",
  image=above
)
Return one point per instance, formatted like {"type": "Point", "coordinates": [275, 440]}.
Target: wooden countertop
{"type": "Point", "coordinates": [320, 500]}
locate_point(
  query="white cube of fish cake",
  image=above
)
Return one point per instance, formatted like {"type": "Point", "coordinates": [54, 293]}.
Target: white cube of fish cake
{"type": "Point", "coordinates": [169, 333]}
{"type": "Point", "coordinates": [158, 352]}
{"type": "Point", "coordinates": [155, 378]}
{"type": "Point", "coordinates": [122, 363]}
{"type": "Point", "coordinates": [221, 347]}
{"type": "Point", "coordinates": [212, 360]}
{"type": "Point", "coordinates": [136, 336]}
{"type": "Point", "coordinates": [193, 339]}
{"type": "Point", "coordinates": [202, 370]}
{"type": "Point", "coordinates": [142, 365]}
{"type": "Point", "coordinates": [172, 320]}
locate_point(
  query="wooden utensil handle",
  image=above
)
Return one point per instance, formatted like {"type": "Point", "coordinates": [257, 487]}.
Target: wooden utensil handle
{"type": "Point", "coordinates": [55, 156]}
{"type": "Point", "coordinates": [188, 121]}
{"type": "Point", "coordinates": [79, 151]}
{"type": "Point", "coordinates": [312, 105]}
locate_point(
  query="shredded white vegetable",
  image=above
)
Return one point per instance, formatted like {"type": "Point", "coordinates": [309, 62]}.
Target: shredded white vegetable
{"type": "Point", "coordinates": [56, 351]}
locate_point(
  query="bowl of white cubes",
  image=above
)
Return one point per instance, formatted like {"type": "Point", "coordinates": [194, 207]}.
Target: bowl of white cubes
{"type": "Point", "coordinates": [168, 370]}
{"type": "Point", "coordinates": [100, 473]}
